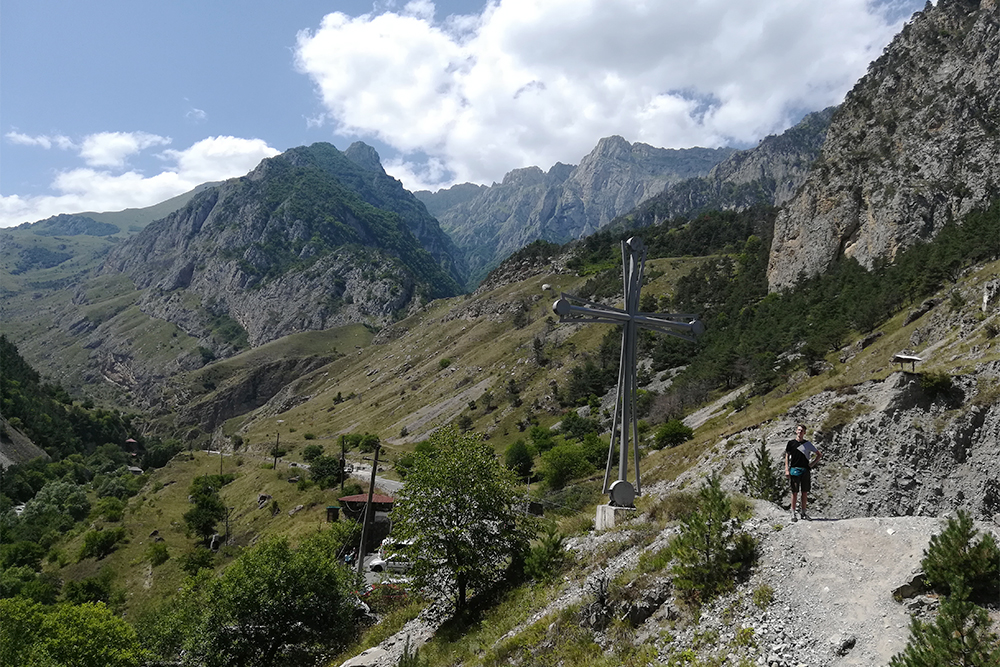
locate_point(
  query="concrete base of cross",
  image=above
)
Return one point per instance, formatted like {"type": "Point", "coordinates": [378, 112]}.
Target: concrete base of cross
{"type": "Point", "coordinates": [609, 516]}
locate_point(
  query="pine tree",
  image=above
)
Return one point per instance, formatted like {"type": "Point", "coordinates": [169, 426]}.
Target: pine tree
{"type": "Point", "coordinates": [959, 636]}
{"type": "Point", "coordinates": [953, 561]}
{"type": "Point", "coordinates": [703, 563]}
{"type": "Point", "coordinates": [761, 479]}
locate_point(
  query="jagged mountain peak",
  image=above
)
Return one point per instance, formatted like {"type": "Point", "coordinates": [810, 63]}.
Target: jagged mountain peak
{"type": "Point", "coordinates": [364, 156]}
{"type": "Point", "coordinates": [526, 176]}
{"type": "Point", "coordinates": [615, 147]}
{"type": "Point", "coordinates": [565, 203]}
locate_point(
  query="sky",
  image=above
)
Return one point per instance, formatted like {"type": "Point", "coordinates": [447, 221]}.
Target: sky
{"type": "Point", "coordinates": [113, 104]}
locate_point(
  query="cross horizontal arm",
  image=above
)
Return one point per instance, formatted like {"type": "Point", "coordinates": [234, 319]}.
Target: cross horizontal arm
{"type": "Point", "coordinates": [680, 325]}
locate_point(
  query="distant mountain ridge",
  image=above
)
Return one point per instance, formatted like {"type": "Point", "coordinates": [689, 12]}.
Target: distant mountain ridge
{"type": "Point", "coordinates": [567, 202]}
{"type": "Point", "coordinates": [770, 173]}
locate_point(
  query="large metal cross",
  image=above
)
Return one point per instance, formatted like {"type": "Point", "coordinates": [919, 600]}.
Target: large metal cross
{"type": "Point", "coordinates": [574, 309]}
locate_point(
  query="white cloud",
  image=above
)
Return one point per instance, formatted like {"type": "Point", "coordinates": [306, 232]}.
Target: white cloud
{"type": "Point", "coordinates": [89, 189]}
{"type": "Point", "coordinates": [219, 157]}
{"type": "Point", "coordinates": [529, 82]}
{"type": "Point", "coordinates": [196, 115]}
{"type": "Point", "coordinates": [110, 149]}
{"type": "Point", "coordinates": [42, 140]}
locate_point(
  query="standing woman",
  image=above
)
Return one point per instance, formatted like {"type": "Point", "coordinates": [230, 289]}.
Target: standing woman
{"type": "Point", "coordinates": [799, 460]}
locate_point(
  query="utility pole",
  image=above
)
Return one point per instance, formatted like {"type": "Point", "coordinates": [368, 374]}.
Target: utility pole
{"type": "Point", "coordinates": [343, 461]}
{"type": "Point", "coordinates": [277, 438]}
{"type": "Point", "coordinates": [220, 468]}
{"type": "Point", "coordinates": [368, 514]}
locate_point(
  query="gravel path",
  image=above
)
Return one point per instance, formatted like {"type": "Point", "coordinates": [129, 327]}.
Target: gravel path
{"type": "Point", "coordinates": [833, 581]}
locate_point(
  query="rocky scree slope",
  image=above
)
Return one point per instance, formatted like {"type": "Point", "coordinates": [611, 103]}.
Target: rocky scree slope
{"type": "Point", "coordinates": [565, 203]}
{"type": "Point", "coordinates": [913, 147]}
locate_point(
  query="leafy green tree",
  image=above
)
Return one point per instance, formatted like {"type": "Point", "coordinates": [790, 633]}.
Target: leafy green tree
{"type": "Point", "coordinates": [575, 426]}
{"type": "Point", "coordinates": [954, 559]}
{"type": "Point", "coordinates": [208, 508]}
{"type": "Point", "coordinates": [595, 449]}
{"type": "Point", "coordinates": [110, 508]}
{"type": "Point", "coordinates": [464, 423]}
{"type": "Point", "coordinates": [325, 471]}
{"type": "Point", "coordinates": [85, 635]}
{"type": "Point", "coordinates": [208, 511]}
{"type": "Point", "coordinates": [673, 433]}
{"type": "Point", "coordinates": [312, 452]}
{"type": "Point", "coordinates": [22, 554]}
{"type": "Point", "coordinates": [158, 454]}
{"type": "Point", "coordinates": [196, 560]}
{"type": "Point", "coordinates": [64, 497]}
{"type": "Point", "coordinates": [121, 484]}
{"type": "Point", "coordinates": [960, 635]}
{"type": "Point", "coordinates": [519, 459]}
{"type": "Point", "coordinates": [761, 478]}
{"type": "Point", "coordinates": [368, 442]}
{"type": "Point", "coordinates": [459, 505]}
{"type": "Point", "coordinates": [564, 462]}
{"type": "Point", "coordinates": [277, 605]}
{"type": "Point", "coordinates": [541, 438]}
{"type": "Point", "coordinates": [99, 588]}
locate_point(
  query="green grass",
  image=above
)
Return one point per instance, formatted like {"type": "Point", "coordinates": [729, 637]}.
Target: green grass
{"type": "Point", "coordinates": [160, 506]}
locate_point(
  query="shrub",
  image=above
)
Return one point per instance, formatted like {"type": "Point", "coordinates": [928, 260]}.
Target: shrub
{"type": "Point", "coordinates": [352, 488]}
{"type": "Point", "coordinates": [99, 588]}
{"type": "Point", "coordinates": [198, 559]}
{"type": "Point", "coordinates": [672, 433]}
{"type": "Point", "coordinates": [157, 554]}
{"type": "Point", "coordinates": [382, 598]}
{"type": "Point", "coordinates": [464, 423]}
{"type": "Point", "coordinates": [325, 471]}
{"type": "Point", "coordinates": [563, 463]}
{"type": "Point", "coordinates": [547, 557]}
{"type": "Point", "coordinates": [935, 384]}
{"type": "Point", "coordinates": [519, 459]}
{"type": "Point", "coordinates": [110, 508]}
{"type": "Point", "coordinates": [100, 543]}
{"type": "Point", "coordinates": [763, 596]}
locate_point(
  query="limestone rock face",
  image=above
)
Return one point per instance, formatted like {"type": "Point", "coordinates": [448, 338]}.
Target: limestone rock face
{"type": "Point", "coordinates": [913, 147]}
{"type": "Point", "coordinates": [564, 203]}
{"type": "Point", "coordinates": [770, 173]}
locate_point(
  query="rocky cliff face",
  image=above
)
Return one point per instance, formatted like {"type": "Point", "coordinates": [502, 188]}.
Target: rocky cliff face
{"type": "Point", "coordinates": [770, 173]}
{"type": "Point", "coordinates": [564, 203]}
{"type": "Point", "coordinates": [308, 240]}
{"type": "Point", "coordinates": [913, 147]}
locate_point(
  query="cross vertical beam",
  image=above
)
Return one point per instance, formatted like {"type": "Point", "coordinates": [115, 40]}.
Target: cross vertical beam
{"type": "Point", "coordinates": [687, 327]}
